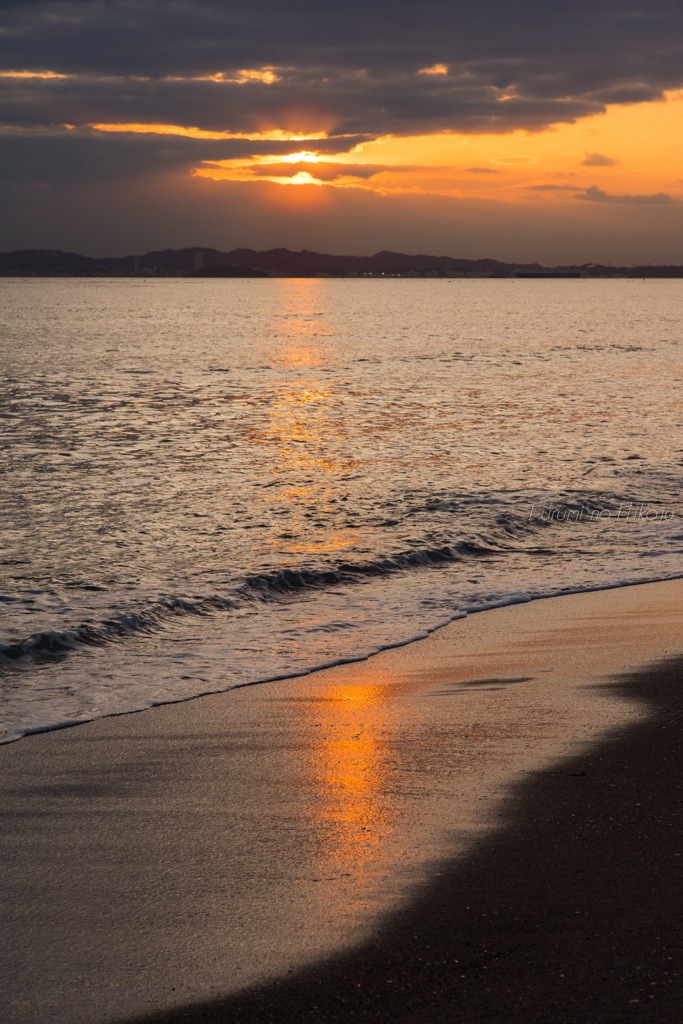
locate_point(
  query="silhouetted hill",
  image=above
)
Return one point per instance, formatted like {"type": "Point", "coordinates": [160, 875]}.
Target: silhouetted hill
{"type": "Point", "coordinates": [598, 270]}
{"type": "Point", "coordinates": [307, 263]}
{"type": "Point", "coordinates": [228, 272]}
{"type": "Point", "coordinates": [36, 261]}
{"type": "Point", "coordinates": [203, 262]}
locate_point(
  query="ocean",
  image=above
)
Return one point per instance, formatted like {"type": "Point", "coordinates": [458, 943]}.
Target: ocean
{"type": "Point", "coordinates": [214, 483]}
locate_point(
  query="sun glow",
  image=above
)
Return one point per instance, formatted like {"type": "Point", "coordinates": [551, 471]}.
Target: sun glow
{"type": "Point", "coordinates": [300, 178]}
{"type": "Point", "coordinates": [269, 169]}
{"type": "Point", "coordinates": [629, 151]}
{"type": "Point", "coordinates": [296, 158]}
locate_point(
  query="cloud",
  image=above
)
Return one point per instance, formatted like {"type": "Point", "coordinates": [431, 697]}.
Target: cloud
{"type": "Point", "coordinates": [596, 195]}
{"type": "Point", "coordinates": [59, 155]}
{"type": "Point", "coordinates": [319, 170]}
{"type": "Point", "coordinates": [514, 160]}
{"type": "Point", "coordinates": [551, 188]}
{"type": "Point", "coordinates": [236, 77]}
{"type": "Point", "coordinates": [367, 66]}
{"type": "Point", "coordinates": [344, 101]}
{"type": "Point", "coordinates": [598, 160]}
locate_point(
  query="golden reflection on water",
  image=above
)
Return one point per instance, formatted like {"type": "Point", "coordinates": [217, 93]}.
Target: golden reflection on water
{"type": "Point", "coordinates": [307, 428]}
{"type": "Point", "coordinates": [298, 417]}
{"type": "Point", "coordinates": [333, 543]}
{"type": "Point", "coordinates": [301, 327]}
{"type": "Point", "coordinates": [300, 356]}
{"type": "Point", "coordinates": [310, 440]}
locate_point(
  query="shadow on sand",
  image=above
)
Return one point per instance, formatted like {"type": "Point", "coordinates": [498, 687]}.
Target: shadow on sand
{"type": "Point", "coordinates": [571, 913]}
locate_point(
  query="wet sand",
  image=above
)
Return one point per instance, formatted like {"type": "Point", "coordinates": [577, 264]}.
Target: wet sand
{"type": "Point", "coordinates": [483, 826]}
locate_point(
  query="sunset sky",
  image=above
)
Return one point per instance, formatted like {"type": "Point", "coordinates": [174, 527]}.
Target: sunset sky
{"type": "Point", "coordinates": [532, 130]}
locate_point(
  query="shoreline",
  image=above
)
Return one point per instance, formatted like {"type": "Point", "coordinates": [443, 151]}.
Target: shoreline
{"type": "Point", "coordinates": [570, 912]}
{"type": "Point", "coordinates": [210, 847]}
{"type": "Point", "coordinates": [13, 735]}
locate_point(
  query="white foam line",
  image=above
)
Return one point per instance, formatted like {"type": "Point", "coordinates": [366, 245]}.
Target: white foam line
{"type": "Point", "coordinates": [460, 613]}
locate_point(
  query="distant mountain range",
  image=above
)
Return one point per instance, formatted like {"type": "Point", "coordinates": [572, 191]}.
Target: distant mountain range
{"type": "Point", "coordinates": [202, 262]}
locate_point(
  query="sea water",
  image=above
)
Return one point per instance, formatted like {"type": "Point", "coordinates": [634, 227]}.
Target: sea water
{"type": "Point", "coordinates": [211, 483]}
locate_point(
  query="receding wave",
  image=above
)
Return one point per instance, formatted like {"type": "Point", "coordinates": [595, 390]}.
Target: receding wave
{"type": "Point", "coordinates": [507, 534]}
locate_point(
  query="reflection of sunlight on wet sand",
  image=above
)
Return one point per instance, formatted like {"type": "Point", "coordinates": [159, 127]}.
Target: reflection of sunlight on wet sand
{"type": "Point", "coordinates": [425, 741]}
{"type": "Point", "coordinates": [351, 768]}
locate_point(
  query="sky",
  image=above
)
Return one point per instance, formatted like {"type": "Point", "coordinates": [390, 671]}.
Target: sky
{"type": "Point", "coordinates": [524, 130]}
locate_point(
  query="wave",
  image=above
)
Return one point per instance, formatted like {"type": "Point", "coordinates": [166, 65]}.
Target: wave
{"type": "Point", "coordinates": [505, 534]}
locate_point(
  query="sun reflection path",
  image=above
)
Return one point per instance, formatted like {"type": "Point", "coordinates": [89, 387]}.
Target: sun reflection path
{"type": "Point", "coordinates": [399, 765]}
{"type": "Point", "coordinates": [351, 764]}
{"type": "Point", "coordinates": [310, 439]}
{"type": "Point", "coordinates": [351, 767]}
{"type": "Point", "coordinates": [306, 423]}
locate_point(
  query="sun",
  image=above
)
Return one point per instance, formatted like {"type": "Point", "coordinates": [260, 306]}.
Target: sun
{"type": "Point", "coordinates": [297, 158]}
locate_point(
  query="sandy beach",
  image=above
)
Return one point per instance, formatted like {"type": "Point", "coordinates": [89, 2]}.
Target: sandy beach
{"type": "Point", "coordinates": [481, 826]}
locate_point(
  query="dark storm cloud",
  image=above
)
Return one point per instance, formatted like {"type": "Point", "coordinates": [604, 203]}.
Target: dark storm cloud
{"type": "Point", "coordinates": [400, 103]}
{"type": "Point", "coordinates": [354, 66]}
{"type": "Point", "coordinates": [72, 156]}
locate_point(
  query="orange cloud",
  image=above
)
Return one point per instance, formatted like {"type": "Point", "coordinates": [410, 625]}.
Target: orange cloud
{"type": "Point", "coordinates": [33, 74]}
{"type": "Point", "coordinates": [644, 141]}
{"type": "Point", "coordinates": [300, 169]}
{"type": "Point", "coordinates": [598, 160]}
{"type": "Point", "coordinates": [273, 135]}
{"type": "Point", "coordinates": [266, 75]}
{"type": "Point", "coordinates": [514, 160]}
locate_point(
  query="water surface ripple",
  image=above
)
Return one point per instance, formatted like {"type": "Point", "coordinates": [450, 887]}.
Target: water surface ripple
{"type": "Point", "coordinates": [211, 483]}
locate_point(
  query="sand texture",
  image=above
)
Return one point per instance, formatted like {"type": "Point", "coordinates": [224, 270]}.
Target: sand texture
{"type": "Point", "coordinates": [482, 826]}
